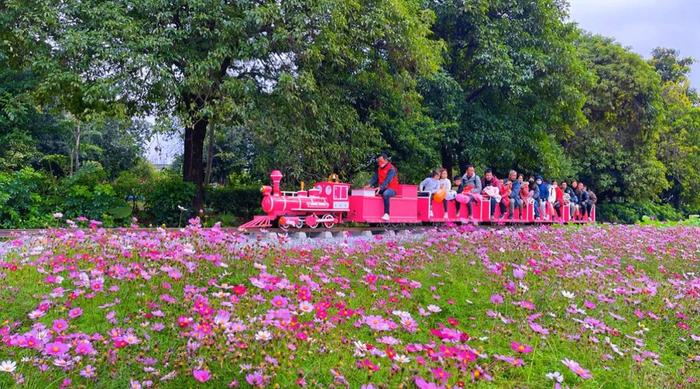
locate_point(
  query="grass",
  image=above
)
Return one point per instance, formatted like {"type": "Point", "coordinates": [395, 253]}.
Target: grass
{"type": "Point", "coordinates": [456, 270]}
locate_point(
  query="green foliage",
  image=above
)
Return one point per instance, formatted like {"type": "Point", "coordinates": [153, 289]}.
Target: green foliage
{"type": "Point", "coordinates": [615, 151]}
{"type": "Point", "coordinates": [518, 78]}
{"type": "Point", "coordinates": [242, 202]}
{"type": "Point", "coordinates": [22, 202]}
{"type": "Point", "coordinates": [87, 193]}
{"type": "Point", "coordinates": [633, 212]}
{"type": "Point", "coordinates": [164, 194]}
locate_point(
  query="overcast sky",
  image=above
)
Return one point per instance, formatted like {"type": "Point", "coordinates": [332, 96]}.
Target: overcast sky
{"type": "Point", "coordinates": [645, 24]}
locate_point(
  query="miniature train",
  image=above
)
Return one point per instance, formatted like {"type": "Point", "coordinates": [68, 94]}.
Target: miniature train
{"type": "Point", "coordinates": [329, 203]}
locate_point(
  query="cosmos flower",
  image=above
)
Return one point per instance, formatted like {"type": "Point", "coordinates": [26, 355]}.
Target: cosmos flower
{"type": "Point", "coordinates": [577, 369]}
{"type": "Point", "coordinates": [201, 375]}
{"type": "Point", "coordinates": [56, 349]}
{"type": "Point", "coordinates": [520, 348]}
{"type": "Point", "coordinates": [8, 366]}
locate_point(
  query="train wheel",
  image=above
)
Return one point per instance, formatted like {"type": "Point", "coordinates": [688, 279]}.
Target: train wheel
{"type": "Point", "coordinates": [300, 224]}
{"type": "Point", "coordinates": [331, 223]}
{"type": "Point", "coordinates": [314, 221]}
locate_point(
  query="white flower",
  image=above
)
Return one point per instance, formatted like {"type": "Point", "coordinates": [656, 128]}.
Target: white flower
{"type": "Point", "coordinates": [58, 215]}
{"type": "Point", "coordinates": [360, 349]}
{"type": "Point", "coordinates": [567, 294]}
{"type": "Point", "coordinates": [402, 359]}
{"type": "Point", "coordinates": [8, 366]}
{"type": "Point", "coordinates": [434, 308]}
{"type": "Point", "coordinates": [306, 306]}
{"type": "Point", "coordinates": [263, 336]}
{"type": "Point", "coordinates": [555, 376]}
{"type": "Point", "coordinates": [181, 208]}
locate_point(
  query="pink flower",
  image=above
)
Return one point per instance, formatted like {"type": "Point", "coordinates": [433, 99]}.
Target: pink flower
{"type": "Point", "coordinates": [521, 348]}
{"type": "Point", "coordinates": [279, 301]}
{"type": "Point", "coordinates": [56, 349]}
{"type": "Point", "coordinates": [377, 323]}
{"type": "Point", "coordinates": [59, 325]}
{"type": "Point", "coordinates": [75, 313]}
{"type": "Point", "coordinates": [423, 384]}
{"type": "Point", "coordinates": [201, 375]}
{"type": "Point", "coordinates": [576, 368]}
{"type": "Point", "coordinates": [255, 379]}
{"type": "Point", "coordinates": [440, 374]}
{"type": "Point", "coordinates": [84, 348]}
{"type": "Point", "coordinates": [497, 299]}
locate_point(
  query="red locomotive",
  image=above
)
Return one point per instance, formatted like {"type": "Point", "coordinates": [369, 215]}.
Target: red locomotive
{"type": "Point", "coordinates": [329, 203]}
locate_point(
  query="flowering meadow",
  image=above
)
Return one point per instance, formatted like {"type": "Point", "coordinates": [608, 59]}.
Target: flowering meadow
{"type": "Point", "coordinates": [581, 306]}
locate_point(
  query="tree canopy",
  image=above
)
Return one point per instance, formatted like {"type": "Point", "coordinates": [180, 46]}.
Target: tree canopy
{"type": "Point", "coordinates": [320, 86]}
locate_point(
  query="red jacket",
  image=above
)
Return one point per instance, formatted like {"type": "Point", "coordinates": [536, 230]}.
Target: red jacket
{"type": "Point", "coordinates": [524, 193]}
{"type": "Point", "coordinates": [560, 195]}
{"type": "Point", "coordinates": [382, 173]}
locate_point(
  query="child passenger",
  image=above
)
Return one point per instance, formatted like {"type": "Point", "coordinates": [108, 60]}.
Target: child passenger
{"type": "Point", "coordinates": [429, 187]}
{"type": "Point", "coordinates": [446, 185]}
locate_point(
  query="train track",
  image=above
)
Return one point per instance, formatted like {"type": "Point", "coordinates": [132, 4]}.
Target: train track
{"type": "Point", "coordinates": [311, 232]}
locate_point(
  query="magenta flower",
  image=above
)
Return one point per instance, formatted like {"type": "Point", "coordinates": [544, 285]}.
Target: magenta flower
{"type": "Point", "coordinates": [279, 301]}
{"type": "Point", "coordinates": [75, 313]}
{"type": "Point", "coordinates": [56, 349]}
{"type": "Point", "coordinates": [440, 374]}
{"type": "Point", "coordinates": [255, 379]}
{"type": "Point", "coordinates": [521, 348]}
{"type": "Point", "coordinates": [423, 384]}
{"type": "Point", "coordinates": [201, 375]}
{"type": "Point", "coordinates": [497, 299]}
{"type": "Point", "coordinates": [84, 348]}
{"type": "Point", "coordinates": [576, 368]}
{"type": "Point", "coordinates": [59, 325]}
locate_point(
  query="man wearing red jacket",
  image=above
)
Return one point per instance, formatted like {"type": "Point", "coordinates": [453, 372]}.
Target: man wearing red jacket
{"type": "Point", "coordinates": [387, 178]}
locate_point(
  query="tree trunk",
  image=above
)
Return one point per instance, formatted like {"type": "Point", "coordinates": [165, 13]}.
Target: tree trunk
{"type": "Point", "coordinates": [193, 161]}
{"type": "Point", "coordinates": [447, 160]}
{"type": "Point", "coordinates": [210, 157]}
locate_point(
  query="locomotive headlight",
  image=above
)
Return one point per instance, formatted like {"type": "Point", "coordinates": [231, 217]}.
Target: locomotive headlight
{"type": "Point", "coordinates": [266, 204]}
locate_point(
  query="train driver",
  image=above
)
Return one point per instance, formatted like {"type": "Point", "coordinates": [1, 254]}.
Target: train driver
{"type": "Point", "coordinates": [387, 178]}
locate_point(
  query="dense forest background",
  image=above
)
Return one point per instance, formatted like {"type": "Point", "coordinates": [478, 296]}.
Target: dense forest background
{"type": "Point", "coordinates": [312, 87]}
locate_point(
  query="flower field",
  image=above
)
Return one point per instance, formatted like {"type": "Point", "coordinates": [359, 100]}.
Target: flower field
{"type": "Point", "coordinates": [588, 306]}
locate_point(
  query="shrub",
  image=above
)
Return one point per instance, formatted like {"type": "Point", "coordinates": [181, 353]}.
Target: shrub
{"type": "Point", "coordinates": [22, 199]}
{"type": "Point", "coordinates": [242, 202]}
{"type": "Point", "coordinates": [164, 194]}
{"type": "Point", "coordinates": [633, 212]}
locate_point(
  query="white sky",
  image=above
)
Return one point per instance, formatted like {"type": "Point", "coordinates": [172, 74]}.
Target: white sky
{"type": "Point", "coordinates": [645, 24]}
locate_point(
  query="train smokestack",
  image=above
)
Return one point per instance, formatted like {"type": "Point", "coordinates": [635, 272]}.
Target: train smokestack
{"type": "Point", "coordinates": [276, 177]}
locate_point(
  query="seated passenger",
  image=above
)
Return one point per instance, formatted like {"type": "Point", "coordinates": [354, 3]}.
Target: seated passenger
{"type": "Point", "coordinates": [583, 200]}
{"type": "Point", "coordinates": [470, 186]}
{"type": "Point", "coordinates": [387, 178]}
{"type": "Point", "coordinates": [558, 199]}
{"type": "Point", "coordinates": [544, 197]}
{"type": "Point", "coordinates": [491, 189]}
{"type": "Point", "coordinates": [570, 198]}
{"type": "Point", "coordinates": [428, 187]}
{"type": "Point", "coordinates": [506, 190]}
{"type": "Point", "coordinates": [534, 196]}
{"type": "Point", "coordinates": [446, 185]}
{"type": "Point", "coordinates": [551, 200]}
{"type": "Point", "coordinates": [515, 200]}
{"type": "Point", "coordinates": [524, 196]}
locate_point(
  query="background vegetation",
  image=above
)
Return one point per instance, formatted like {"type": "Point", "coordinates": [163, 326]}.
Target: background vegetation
{"type": "Point", "coordinates": [317, 86]}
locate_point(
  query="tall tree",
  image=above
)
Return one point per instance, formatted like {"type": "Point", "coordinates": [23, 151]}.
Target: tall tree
{"type": "Point", "coordinates": [519, 79]}
{"type": "Point", "coordinates": [679, 138]}
{"type": "Point", "coordinates": [201, 59]}
{"type": "Point", "coordinates": [617, 150]}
